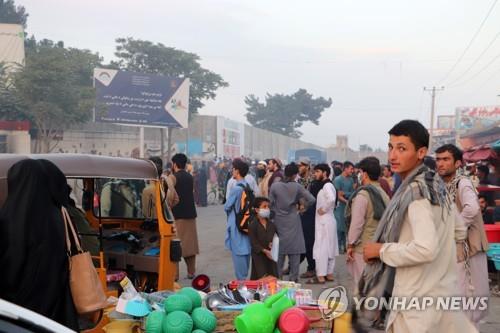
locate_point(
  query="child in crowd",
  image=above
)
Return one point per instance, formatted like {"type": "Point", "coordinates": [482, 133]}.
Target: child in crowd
{"type": "Point", "coordinates": [261, 232]}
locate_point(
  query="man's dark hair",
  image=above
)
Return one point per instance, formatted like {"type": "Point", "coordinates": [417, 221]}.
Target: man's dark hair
{"type": "Point", "coordinates": [278, 164]}
{"type": "Point", "coordinates": [482, 196]}
{"type": "Point", "coordinates": [291, 170]}
{"type": "Point", "coordinates": [158, 163]}
{"type": "Point", "coordinates": [417, 133]}
{"type": "Point", "coordinates": [323, 167]}
{"type": "Point", "coordinates": [430, 162]}
{"type": "Point", "coordinates": [383, 166]}
{"type": "Point", "coordinates": [180, 160]}
{"type": "Point", "coordinates": [348, 164]}
{"type": "Point", "coordinates": [371, 165]}
{"type": "Point", "coordinates": [241, 166]}
{"type": "Point", "coordinates": [258, 201]}
{"type": "Point", "coordinates": [454, 150]}
{"type": "Point", "coordinates": [484, 169]}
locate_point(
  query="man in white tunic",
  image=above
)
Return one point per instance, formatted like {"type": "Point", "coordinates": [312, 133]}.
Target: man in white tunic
{"type": "Point", "coordinates": [325, 241]}
{"type": "Point", "coordinates": [471, 259]}
{"type": "Point", "coordinates": [414, 254]}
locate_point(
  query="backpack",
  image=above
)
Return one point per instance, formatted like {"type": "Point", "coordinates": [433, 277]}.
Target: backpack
{"type": "Point", "coordinates": [244, 216]}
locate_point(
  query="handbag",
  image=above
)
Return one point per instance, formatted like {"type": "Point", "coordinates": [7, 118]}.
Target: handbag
{"type": "Point", "coordinates": [86, 288]}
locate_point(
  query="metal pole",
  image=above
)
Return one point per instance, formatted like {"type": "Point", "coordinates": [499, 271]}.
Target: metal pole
{"type": "Point", "coordinates": [141, 142]}
{"type": "Point", "coordinates": [433, 101]}
{"type": "Point", "coordinates": [433, 106]}
{"type": "Point", "coordinates": [162, 145]}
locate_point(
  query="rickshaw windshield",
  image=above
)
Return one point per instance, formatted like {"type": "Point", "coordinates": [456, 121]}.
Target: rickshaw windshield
{"type": "Point", "coordinates": [121, 198]}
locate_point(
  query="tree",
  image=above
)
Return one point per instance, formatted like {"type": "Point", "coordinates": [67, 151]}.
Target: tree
{"type": "Point", "coordinates": [9, 13]}
{"type": "Point", "coordinates": [9, 103]}
{"type": "Point", "coordinates": [146, 57]}
{"type": "Point", "coordinates": [53, 90]}
{"type": "Point", "coordinates": [285, 114]}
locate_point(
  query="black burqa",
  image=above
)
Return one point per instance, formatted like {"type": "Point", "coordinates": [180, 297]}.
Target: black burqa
{"type": "Point", "coordinates": [202, 186]}
{"type": "Point", "coordinates": [33, 255]}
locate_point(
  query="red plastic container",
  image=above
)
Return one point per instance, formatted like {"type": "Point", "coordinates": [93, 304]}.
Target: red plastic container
{"type": "Point", "coordinates": [492, 233]}
{"type": "Point", "coordinates": [295, 320]}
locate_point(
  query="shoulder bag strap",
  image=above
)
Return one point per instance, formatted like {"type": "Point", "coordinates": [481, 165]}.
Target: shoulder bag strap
{"type": "Point", "coordinates": [67, 221]}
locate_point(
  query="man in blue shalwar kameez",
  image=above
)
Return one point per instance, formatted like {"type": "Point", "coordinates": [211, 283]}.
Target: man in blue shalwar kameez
{"type": "Point", "coordinates": [236, 241]}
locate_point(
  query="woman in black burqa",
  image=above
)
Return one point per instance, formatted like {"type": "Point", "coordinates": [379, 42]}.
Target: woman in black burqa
{"type": "Point", "coordinates": [33, 256]}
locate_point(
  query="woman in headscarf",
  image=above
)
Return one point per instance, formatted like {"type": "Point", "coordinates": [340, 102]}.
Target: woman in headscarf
{"type": "Point", "coordinates": [33, 256]}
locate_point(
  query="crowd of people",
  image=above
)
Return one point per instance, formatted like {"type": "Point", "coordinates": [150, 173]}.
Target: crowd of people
{"type": "Point", "coordinates": [412, 227]}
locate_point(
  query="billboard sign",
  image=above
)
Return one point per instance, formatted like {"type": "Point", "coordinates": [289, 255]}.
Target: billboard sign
{"type": "Point", "coordinates": [130, 98]}
{"type": "Point", "coordinates": [11, 46]}
{"type": "Point", "coordinates": [230, 138]}
{"type": "Point", "coordinates": [477, 117]}
{"type": "Point", "coordinates": [446, 122]}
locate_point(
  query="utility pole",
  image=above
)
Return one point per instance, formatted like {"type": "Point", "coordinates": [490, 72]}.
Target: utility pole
{"type": "Point", "coordinates": [433, 105]}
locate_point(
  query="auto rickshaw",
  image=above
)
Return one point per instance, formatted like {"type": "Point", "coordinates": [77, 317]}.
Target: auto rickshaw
{"type": "Point", "coordinates": [140, 243]}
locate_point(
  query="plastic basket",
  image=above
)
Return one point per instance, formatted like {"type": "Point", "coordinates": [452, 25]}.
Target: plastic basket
{"type": "Point", "coordinates": [496, 261]}
{"type": "Point", "coordinates": [494, 249]}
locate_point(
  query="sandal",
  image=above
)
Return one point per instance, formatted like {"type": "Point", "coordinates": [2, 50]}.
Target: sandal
{"type": "Point", "coordinates": [315, 280]}
{"type": "Point", "coordinates": [307, 275]}
{"type": "Point", "coordinates": [329, 279]}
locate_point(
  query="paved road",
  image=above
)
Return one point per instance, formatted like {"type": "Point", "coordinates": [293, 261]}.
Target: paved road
{"type": "Point", "coordinates": [215, 261]}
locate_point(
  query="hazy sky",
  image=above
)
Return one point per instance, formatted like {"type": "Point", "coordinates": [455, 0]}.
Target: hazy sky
{"type": "Point", "coordinates": [373, 58]}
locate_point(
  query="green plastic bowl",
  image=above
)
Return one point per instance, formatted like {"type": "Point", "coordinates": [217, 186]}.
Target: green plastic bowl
{"type": "Point", "coordinates": [154, 322]}
{"type": "Point", "coordinates": [193, 295]}
{"type": "Point", "coordinates": [204, 319]}
{"type": "Point", "coordinates": [177, 322]}
{"type": "Point", "coordinates": [178, 302]}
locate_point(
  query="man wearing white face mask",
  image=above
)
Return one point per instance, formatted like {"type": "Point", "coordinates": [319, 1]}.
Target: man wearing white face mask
{"type": "Point", "coordinates": [261, 232]}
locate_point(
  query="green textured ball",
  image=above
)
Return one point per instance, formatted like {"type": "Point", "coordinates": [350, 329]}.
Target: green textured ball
{"type": "Point", "coordinates": [177, 322]}
{"type": "Point", "coordinates": [154, 322]}
{"type": "Point", "coordinates": [178, 302]}
{"type": "Point", "coordinates": [193, 295]}
{"type": "Point", "coordinates": [204, 319]}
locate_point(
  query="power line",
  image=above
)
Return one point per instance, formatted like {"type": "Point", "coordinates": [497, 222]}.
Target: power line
{"type": "Point", "coordinates": [477, 73]}
{"type": "Point", "coordinates": [470, 43]}
{"type": "Point", "coordinates": [477, 59]}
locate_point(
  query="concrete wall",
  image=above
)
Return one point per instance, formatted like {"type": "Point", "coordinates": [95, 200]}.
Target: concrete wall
{"type": "Point", "coordinates": [117, 140]}
{"type": "Point", "coordinates": [262, 144]}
